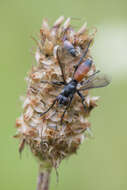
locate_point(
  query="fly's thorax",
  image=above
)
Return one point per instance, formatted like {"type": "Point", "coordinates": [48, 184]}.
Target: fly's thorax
{"type": "Point", "coordinates": [62, 100]}
{"type": "Point", "coordinates": [69, 89]}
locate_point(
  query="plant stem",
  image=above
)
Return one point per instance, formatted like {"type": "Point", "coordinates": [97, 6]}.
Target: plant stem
{"type": "Point", "coordinates": [43, 180]}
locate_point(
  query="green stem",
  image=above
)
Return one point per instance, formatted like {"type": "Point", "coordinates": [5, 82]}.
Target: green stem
{"type": "Point", "coordinates": [43, 179]}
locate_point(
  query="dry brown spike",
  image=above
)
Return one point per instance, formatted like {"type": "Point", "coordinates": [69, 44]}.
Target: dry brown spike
{"type": "Point", "coordinates": [49, 141]}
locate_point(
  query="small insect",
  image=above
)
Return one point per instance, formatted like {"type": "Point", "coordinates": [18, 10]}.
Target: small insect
{"type": "Point", "coordinates": [70, 48]}
{"type": "Point", "coordinates": [71, 88]}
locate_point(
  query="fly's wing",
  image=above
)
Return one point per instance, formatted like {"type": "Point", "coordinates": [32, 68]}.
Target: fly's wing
{"type": "Point", "coordinates": [64, 60]}
{"type": "Point", "coordinates": [95, 81]}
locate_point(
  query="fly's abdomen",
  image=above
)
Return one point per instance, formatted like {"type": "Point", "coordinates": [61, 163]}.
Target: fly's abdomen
{"type": "Point", "coordinates": [82, 70]}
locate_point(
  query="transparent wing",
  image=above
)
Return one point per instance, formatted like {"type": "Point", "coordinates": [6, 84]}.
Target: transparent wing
{"type": "Point", "coordinates": [96, 80]}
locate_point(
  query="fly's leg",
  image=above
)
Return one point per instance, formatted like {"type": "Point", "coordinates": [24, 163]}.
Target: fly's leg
{"type": "Point", "coordinates": [52, 105]}
{"type": "Point", "coordinates": [82, 98]}
{"type": "Point", "coordinates": [82, 57]}
{"type": "Point", "coordinates": [61, 67]}
{"type": "Point", "coordinates": [67, 107]}
{"type": "Point", "coordinates": [57, 83]}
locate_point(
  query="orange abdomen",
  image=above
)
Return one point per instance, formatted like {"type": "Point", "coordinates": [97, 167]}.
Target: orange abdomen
{"type": "Point", "coordinates": [82, 70]}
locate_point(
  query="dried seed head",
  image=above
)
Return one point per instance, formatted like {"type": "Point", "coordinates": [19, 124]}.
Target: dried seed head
{"type": "Point", "coordinates": [48, 140]}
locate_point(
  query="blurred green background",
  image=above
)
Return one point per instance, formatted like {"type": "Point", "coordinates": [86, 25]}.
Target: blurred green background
{"type": "Point", "coordinates": [101, 163]}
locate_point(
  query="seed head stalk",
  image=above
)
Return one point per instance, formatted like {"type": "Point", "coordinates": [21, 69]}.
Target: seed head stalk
{"type": "Point", "coordinates": [43, 179]}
